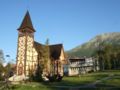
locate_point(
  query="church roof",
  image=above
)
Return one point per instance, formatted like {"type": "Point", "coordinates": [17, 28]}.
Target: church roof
{"type": "Point", "coordinates": [55, 50]}
{"type": "Point", "coordinates": [38, 46]}
{"type": "Point", "coordinates": [27, 23]}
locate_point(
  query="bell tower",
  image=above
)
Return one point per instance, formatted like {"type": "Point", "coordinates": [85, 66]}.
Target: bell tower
{"type": "Point", "coordinates": [25, 46]}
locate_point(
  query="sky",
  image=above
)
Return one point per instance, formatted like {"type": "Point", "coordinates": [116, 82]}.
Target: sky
{"type": "Point", "coordinates": [70, 22]}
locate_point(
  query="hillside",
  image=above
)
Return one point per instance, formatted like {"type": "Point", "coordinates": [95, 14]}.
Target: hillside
{"type": "Point", "coordinates": [88, 48]}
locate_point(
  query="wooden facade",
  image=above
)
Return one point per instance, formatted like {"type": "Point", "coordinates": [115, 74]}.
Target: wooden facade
{"type": "Point", "coordinates": [28, 51]}
{"type": "Point", "coordinates": [79, 66]}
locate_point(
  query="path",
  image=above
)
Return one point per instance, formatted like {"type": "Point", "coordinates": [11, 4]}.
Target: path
{"type": "Point", "coordinates": [91, 85]}
{"type": "Point", "coordinates": [99, 81]}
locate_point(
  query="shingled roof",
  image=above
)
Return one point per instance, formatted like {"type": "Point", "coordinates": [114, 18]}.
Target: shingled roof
{"type": "Point", "coordinates": [38, 46]}
{"type": "Point", "coordinates": [27, 23]}
{"type": "Point", "coordinates": [55, 50]}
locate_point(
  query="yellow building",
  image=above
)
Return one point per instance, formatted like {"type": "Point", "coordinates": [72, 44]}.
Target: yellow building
{"type": "Point", "coordinates": [29, 51]}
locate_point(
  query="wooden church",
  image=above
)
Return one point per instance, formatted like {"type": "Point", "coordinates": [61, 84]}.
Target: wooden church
{"type": "Point", "coordinates": [29, 51]}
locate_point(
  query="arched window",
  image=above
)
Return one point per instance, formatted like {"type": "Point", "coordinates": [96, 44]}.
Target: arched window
{"type": "Point", "coordinates": [20, 69]}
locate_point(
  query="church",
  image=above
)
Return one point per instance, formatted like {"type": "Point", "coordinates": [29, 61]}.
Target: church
{"type": "Point", "coordinates": [29, 51]}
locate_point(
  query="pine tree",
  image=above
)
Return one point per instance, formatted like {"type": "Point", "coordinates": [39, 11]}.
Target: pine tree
{"type": "Point", "coordinates": [46, 57]}
{"type": "Point", "coordinates": [1, 71]}
{"type": "Point", "coordinates": [1, 57]}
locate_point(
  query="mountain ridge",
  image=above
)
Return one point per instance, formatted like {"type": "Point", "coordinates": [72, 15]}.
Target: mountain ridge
{"type": "Point", "coordinates": [88, 48]}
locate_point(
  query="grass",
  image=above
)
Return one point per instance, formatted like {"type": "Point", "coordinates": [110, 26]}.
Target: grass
{"type": "Point", "coordinates": [32, 87]}
{"type": "Point", "coordinates": [79, 80]}
{"type": "Point", "coordinates": [113, 82]}
{"type": "Point", "coordinates": [75, 81]}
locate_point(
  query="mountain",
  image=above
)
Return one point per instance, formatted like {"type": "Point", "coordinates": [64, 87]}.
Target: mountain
{"type": "Point", "coordinates": [87, 49]}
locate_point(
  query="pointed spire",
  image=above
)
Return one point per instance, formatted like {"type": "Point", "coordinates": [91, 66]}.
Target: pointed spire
{"type": "Point", "coordinates": [26, 23]}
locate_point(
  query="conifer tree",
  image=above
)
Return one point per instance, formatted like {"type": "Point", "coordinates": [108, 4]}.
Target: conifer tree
{"type": "Point", "coordinates": [1, 57]}
{"type": "Point", "coordinates": [46, 56]}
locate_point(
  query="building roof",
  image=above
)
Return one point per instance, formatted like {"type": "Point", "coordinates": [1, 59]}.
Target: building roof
{"type": "Point", "coordinates": [27, 23]}
{"type": "Point", "coordinates": [55, 50]}
{"type": "Point", "coordinates": [77, 59]}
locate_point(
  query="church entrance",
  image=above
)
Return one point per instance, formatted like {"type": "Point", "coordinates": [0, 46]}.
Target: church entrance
{"type": "Point", "coordinates": [20, 69]}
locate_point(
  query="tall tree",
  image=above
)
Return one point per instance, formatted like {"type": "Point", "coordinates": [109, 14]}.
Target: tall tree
{"type": "Point", "coordinates": [1, 57]}
{"type": "Point", "coordinates": [1, 64]}
{"type": "Point", "coordinates": [46, 56]}
{"type": "Point", "coordinates": [1, 71]}
{"type": "Point", "coordinates": [107, 56]}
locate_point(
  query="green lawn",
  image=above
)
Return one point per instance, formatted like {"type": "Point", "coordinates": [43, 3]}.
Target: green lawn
{"type": "Point", "coordinates": [113, 82]}
{"type": "Point", "coordinates": [79, 80]}
{"type": "Point", "coordinates": [73, 82]}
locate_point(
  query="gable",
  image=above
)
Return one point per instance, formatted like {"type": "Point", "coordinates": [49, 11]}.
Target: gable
{"type": "Point", "coordinates": [55, 50]}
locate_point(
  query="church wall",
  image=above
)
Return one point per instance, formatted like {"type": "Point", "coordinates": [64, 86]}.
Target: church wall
{"type": "Point", "coordinates": [31, 61]}
{"type": "Point", "coordinates": [26, 54]}
{"type": "Point", "coordinates": [35, 58]}
{"type": "Point", "coordinates": [62, 59]}
{"type": "Point", "coordinates": [20, 54]}
{"type": "Point", "coordinates": [62, 56]}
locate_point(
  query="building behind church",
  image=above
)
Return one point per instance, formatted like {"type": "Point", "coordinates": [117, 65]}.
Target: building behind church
{"type": "Point", "coordinates": [78, 66]}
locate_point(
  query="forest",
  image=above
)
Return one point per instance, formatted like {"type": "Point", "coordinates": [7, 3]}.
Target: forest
{"type": "Point", "coordinates": [108, 56]}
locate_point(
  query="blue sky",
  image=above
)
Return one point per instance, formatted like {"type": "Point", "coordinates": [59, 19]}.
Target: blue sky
{"type": "Point", "coordinates": [71, 22]}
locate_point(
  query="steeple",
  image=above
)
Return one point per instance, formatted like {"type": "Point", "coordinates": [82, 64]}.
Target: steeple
{"type": "Point", "coordinates": [26, 24]}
